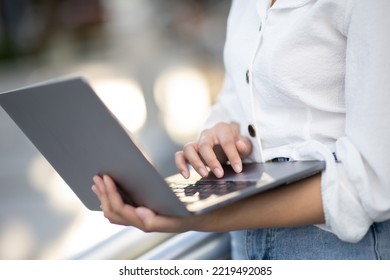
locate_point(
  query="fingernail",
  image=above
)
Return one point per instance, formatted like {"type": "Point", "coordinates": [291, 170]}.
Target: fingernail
{"type": "Point", "coordinates": [218, 172]}
{"type": "Point", "coordinates": [143, 213]}
{"type": "Point", "coordinates": [241, 145]}
{"type": "Point", "coordinates": [184, 174]}
{"type": "Point", "coordinates": [237, 167]}
{"type": "Point", "coordinates": [203, 172]}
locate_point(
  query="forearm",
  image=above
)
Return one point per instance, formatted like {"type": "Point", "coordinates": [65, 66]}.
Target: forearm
{"type": "Point", "coordinates": [294, 205]}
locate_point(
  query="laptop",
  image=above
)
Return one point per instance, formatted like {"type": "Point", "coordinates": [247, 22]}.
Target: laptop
{"type": "Point", "coordinates": [79, 136]}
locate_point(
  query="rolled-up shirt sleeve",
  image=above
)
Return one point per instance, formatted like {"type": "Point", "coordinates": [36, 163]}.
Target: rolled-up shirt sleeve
{"type": "Point", "coordinates": [356, 191]}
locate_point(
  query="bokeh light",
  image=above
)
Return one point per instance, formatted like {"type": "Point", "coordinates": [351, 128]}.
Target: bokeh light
{"type": "Point", "coordinates": [125, 99]}
{"type": "Point", "coordinates": [183, 96]}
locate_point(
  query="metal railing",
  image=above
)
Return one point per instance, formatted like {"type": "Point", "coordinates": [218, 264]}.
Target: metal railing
{"type": "Point", "coordinates": [192, 246]}
{"type": "Point", "coordinates": [131, 244]}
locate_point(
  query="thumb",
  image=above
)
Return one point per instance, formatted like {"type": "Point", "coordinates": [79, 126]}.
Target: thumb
{"type": "Point", "coordinates": [155, 223]}
{"type": "Point", "coordinates": [244, 146]}
{"type": "Point", "coordinates": [145, 215]}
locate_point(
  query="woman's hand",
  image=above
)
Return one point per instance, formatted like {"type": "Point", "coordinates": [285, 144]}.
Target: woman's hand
{"type": "Point", "coordinates": [214, 147]}
{"type": "Point", "coordinates": [298, 204]}
{"type": "Point", "coordinates": [117, 212]}
{"type": "Point", "coordinates": [217, 145]}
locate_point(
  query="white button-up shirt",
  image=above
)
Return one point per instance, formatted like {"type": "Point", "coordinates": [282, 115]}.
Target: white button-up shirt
{"type": "Point", "coordinates": [312, 77]}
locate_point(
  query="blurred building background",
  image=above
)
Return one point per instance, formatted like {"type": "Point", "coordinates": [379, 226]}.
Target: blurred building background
{"type": "Point", "coordinates": [158, 66]}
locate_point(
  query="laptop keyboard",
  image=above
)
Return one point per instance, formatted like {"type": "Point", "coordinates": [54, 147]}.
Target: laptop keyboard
{"type": "Point", "coordinates": [200, 190]}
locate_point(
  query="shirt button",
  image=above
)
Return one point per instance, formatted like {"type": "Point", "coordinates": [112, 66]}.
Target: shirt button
{"type": "Point", "coordinates": [252, 130]}
{"type": "Point", "coordinates": [247, 76]}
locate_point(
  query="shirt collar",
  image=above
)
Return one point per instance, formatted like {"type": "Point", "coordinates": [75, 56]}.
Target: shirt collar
{"type": "Point", "coordinates": [285, 4]}
{"type": "Point", "coordinates": [264, 5]}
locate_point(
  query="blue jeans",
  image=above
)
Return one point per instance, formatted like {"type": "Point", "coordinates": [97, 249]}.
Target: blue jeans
{"type": "Point", "coordinates": [309, 242]}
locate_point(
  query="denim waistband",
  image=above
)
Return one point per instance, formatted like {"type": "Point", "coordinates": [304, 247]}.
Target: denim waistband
{"type": "Point", "coordinates": [283, 159]}
{"type": "Point", "coordinates": [280, 159]}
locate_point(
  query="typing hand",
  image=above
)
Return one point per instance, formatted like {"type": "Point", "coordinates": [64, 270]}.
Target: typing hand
{"type": "Point", "coordinates": [214, 147]}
